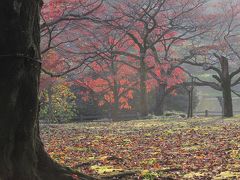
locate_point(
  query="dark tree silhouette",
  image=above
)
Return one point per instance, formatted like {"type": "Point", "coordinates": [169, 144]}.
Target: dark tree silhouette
{"type": "Point", "coordinates": [22, 155]}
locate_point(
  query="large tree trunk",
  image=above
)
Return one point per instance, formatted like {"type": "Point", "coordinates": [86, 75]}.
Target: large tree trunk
{"type": "Point", "coordinates": [22, 156]}
{"type": "Point", "coordinates": [19, 89]}
{"type": "Point", "coordinates": [226, 87]}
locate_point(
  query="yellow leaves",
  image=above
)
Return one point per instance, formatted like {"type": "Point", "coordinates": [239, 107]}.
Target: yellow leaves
{"type": "Point", "coordinates": [155, 153]}
{"type": "Point", "coordinates": [192, 148]}
{"type": "Point", "coordinates": [150, 161]}
{"type": "Point", "coordinates": [227, 175]}
{"type": "Point", "coordinates": [59, 157]}
{"type": "Point", "coordinates": [193, 175]}
{"type": "Point", "coordinates": [144, 172]}
{"type": "Point", "coordinates": [235, 154]}
{"type": "Point", "coordinates": [98, 137]}
{"type": "Point", "coordinates": [80, 149]}
{"type": "Point", "coordinates": [91, 158]}
{"type": "Point", "coordinates": [127, 141]}
{"type": "Point", "coordinates": [148, 175]}
{"type": "Point", "coordinates": [104, 169]}
{"type": "Point", "coordinates": [147, 134]}
{"type": "Point", "coordinates": [103, 158]}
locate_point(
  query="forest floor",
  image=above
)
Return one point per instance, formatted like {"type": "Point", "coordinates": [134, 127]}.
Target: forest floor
{"type": "Point", "coordinates": [200, 148]}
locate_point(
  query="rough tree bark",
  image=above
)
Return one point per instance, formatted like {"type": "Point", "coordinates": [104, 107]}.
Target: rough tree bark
{"type": "Point", "coordinates": [22, 155]}
{"type": "Point", "coordinates": [226, 87]}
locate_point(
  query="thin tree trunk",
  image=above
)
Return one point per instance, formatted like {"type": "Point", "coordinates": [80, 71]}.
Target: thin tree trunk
{"type": "Point", "coordinates": [143, 88]}
{"type": "Point", "coordinates": [160, 97]}
{"type": "Point", "coordinates": [190, 103]}
{"type": "Point", "coordinates": [116, 101]}
{"type": "Point", "coordinates": [22, 156]}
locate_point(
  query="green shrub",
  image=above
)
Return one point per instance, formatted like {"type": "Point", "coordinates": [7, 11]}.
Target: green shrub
{"type": "Point", "coordinates": [57, 104]}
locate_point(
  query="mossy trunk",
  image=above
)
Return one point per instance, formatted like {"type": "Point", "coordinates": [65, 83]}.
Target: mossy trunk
{"type": "Point", "coordinates": [22, 156]}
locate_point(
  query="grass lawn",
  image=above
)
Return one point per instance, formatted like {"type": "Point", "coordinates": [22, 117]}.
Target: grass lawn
{"type": "Point", "coordinates": [201, 148]}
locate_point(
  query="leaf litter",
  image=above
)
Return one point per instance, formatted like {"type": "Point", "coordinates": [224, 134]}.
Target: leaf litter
{"type": "Point", "coordinates": [200, 148]}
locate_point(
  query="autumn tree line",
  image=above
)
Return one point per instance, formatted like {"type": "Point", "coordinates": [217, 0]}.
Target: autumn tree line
{"type": "Point", "coordinates": [133, 55]}
{"type": "Point", "coordinates": [110, 50]}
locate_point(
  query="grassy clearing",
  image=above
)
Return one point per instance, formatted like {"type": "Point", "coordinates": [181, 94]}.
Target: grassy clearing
{"type": "Point", "coordinates": [203, 148]}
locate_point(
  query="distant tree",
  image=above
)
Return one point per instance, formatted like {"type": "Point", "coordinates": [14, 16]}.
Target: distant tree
{"type": "Point", "coordinates": [218, 53]}
{"type": "Point", "coordinates": [141, 27]}
{"type": "Point", "coordinates": [110, 82]}
{"type": "Point", "coordinates": [147, 24]}
{"type": "Point", "coordinates": [166, 79]}
{"type": "Point", "coordinates": [223, 81]}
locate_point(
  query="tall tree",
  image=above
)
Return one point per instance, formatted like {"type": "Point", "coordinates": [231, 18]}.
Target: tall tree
{"type": "Point", "coordinates": [22, 154]}
{"type": "Point", "coordinates": [148, 23]}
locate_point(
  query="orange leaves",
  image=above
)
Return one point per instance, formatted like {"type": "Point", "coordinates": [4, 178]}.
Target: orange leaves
{"type": "Point", "coordinates": [109, 97]}
{"type": "Point", "coordinates": [52, 61]}
{"type": "Point", "coordinates": [55, 8]}
{"type": "Point", "coordinates": [124, 103]}
{"type": "Point", "coordinates": [110, 81]}
{"type": "Point", "coordinates": [96, 67]}
{"type": "Point", "coordinates": [170, 34]}
{"type": "Point", "coordinates": [165, 73]}
{"type": "Point", "coordinates": [130, 94]}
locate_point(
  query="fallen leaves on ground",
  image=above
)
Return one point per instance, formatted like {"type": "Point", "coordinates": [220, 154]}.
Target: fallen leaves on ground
{"type": "Point", "coordinates": [201, 148]}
